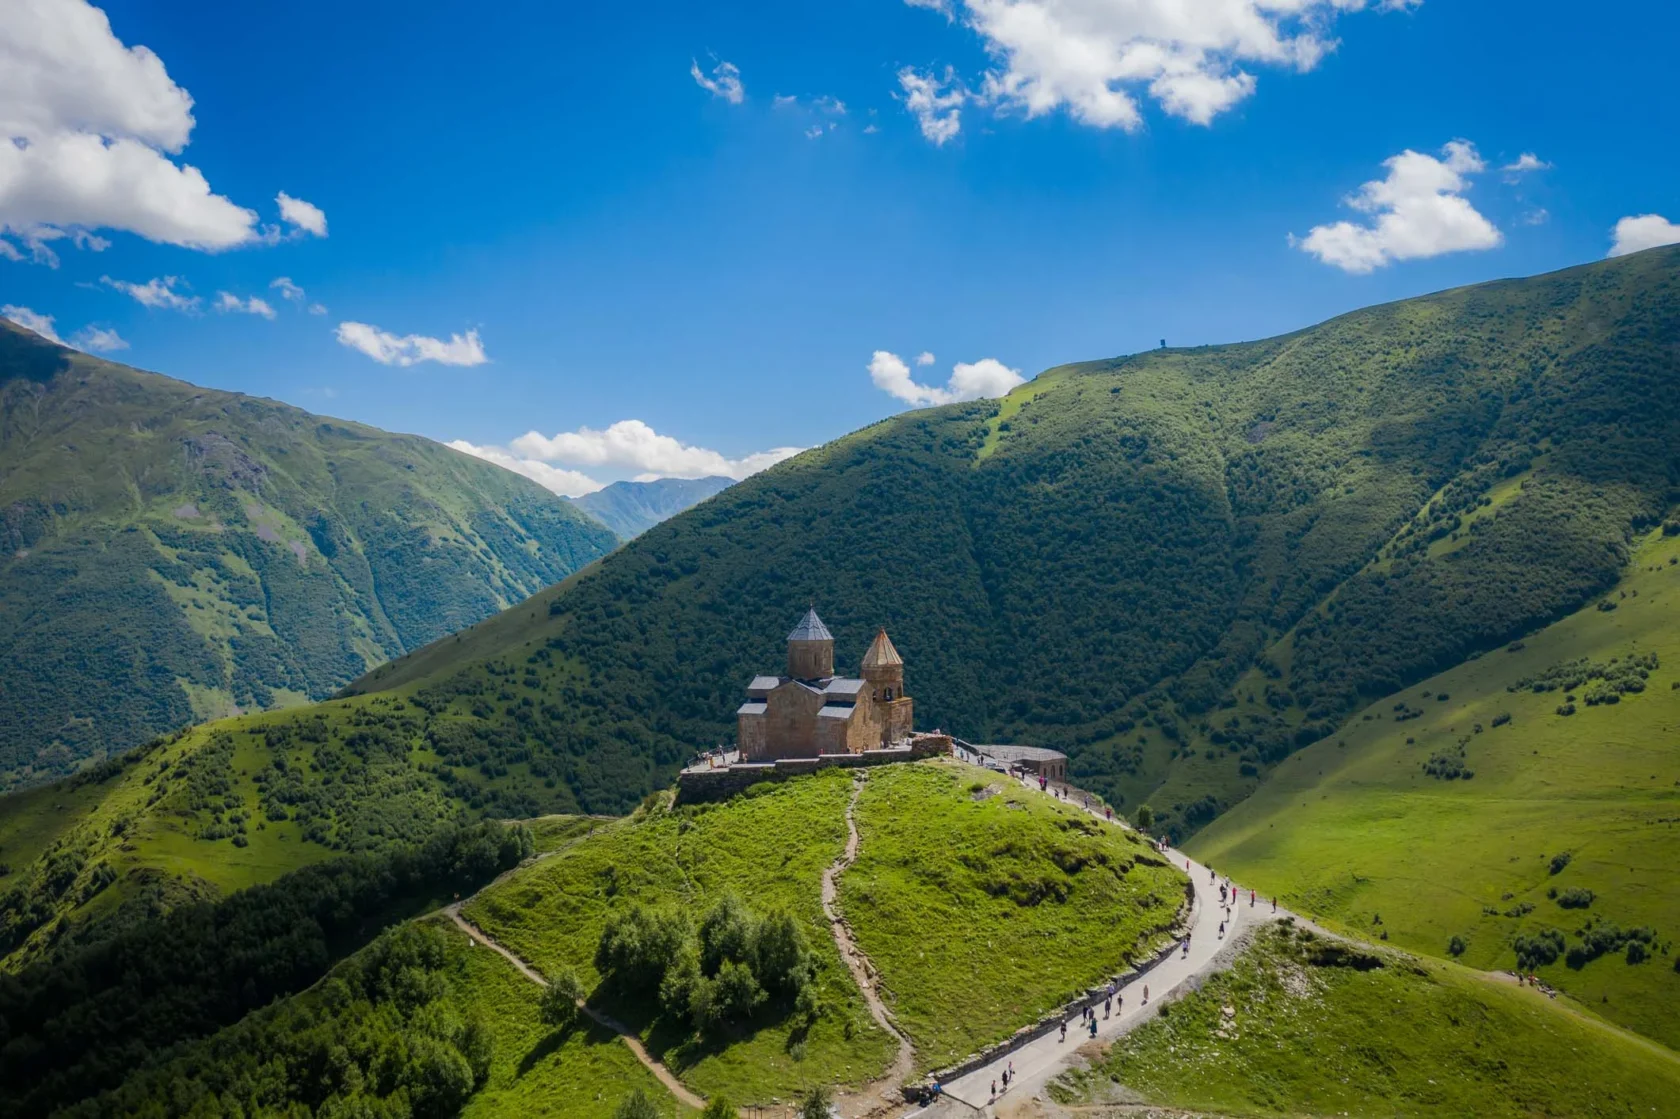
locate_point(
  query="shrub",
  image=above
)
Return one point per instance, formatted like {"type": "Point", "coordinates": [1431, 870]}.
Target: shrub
{"type": "Point", "coordinates": [718, 1107]}
{"type": "Point", "coordinates": [1456, 946]}
{"type": "Point", "coordinates": [1637, 953]}
{"type": "Point", "coordinates": [559, 1006]}
{"type": "Point", "coordinates": [1538, 949]}
{"type": "Point", "coordinates": [1559, 861]}
{"type": "Point", "coordinates": [816, 1103]}
{"type": "Point", "coordinates": [1575, 897]}
{"type": "Point", "coordinates": [636, 1106]}
{"type": "Point", "coordinates": [1145, 817]}
{"type": "Point", "coordinates": [638, 944]}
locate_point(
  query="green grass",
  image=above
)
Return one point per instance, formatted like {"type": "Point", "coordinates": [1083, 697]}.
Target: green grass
{"type": "Point", "coordinates": [554, 832]}
{"type": "Point", "coordinates": [1408, 1037]}
{"type": "Point", "coordinates": [771, 851]}
{"type": "Point", "coordinates": [983, 905]}
{"type": "Point", "coordinates": [583, 1072]}
{"type": "Point", "coordinates": [1351, 832]}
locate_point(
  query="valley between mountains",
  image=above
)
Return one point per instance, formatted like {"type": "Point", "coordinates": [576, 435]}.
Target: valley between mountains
{"type": "Point", "coordinates": [1377, 618]}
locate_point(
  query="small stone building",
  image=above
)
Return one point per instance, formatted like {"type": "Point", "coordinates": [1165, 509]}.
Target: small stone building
{"type": "Point", "coordinates": [810, 711]}
{"type": "Point", "coordinates": [1036, 760]}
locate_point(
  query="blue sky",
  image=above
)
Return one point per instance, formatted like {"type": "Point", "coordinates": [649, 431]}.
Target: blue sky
{"type": "Point", "coordinates": [593, 236]}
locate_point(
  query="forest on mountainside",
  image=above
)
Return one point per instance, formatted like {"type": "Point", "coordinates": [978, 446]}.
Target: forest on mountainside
{"type": "Point", "coordinates": [170, 554]}
{"type": "Point", "coordinates": [1094, 563]}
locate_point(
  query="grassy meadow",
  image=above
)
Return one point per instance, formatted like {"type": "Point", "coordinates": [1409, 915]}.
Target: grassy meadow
{"type": "Point", "coordinates": [770, 850]}
{"type": "Point", "coordinates": [1305, 1026]}
{"type": "Point", "coordinates": [1354, 831]}
{"type": "Point", "coordinates": [983, 905]}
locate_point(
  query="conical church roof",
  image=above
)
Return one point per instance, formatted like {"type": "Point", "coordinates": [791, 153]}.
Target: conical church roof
{"type": "Point", "coordinates": [881, 653]}
{"type": "Point", "coordinates": [810, 628]}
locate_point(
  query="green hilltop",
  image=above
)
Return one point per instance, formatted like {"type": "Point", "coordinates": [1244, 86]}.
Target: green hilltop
{"type": "Point", "coordinates": [170, 554]}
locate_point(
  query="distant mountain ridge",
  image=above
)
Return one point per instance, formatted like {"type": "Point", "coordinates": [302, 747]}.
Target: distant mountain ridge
{"type": "Point", "coordinates": [631, 508]}
{"type": "Point", "coordinates": [170, 553]}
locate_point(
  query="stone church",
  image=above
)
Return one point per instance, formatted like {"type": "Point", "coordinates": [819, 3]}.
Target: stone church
{"type": "Point", "coordinates": [810, 711]}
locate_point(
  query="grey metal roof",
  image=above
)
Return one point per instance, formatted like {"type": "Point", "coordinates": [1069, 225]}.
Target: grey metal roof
{"type": "Point", "coordinates": [764, 683]}
{"type": "Point", "coordinates": [842, 686]}
{"type": "Point", "coordinates": [1020, 753]}
{"type": "Point", "coordinates": [832, 711]}
{"type": "Point", "coordinates": [810, 628]}
{"type": "Point", "coordinates": [750, 709]}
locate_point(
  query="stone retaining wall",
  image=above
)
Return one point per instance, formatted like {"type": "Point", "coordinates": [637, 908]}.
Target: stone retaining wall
{"type": "Point", "coordinates": [705, 785]}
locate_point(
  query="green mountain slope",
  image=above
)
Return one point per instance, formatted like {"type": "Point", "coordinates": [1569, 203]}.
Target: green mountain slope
{"type": "Point", "coordinates": [1305, 1026]}
{"type": "Point", "coordinates": [170, 553]}
{"type": "Point", "coordinates": [1118, 559]}
{"type": "Point", "coordinates": [1565, 822]}
{"type": "Point", "coordinates": [631, 508]}
{"type": "Point", "coordinates": [1116, 554]}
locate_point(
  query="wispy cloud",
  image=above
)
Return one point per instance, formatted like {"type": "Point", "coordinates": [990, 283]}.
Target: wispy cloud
{"type": "Point", "coordinates": [935, 102]}
{"type": "Point", "coordinates": [410, 349]}
{"type": "Point", "coordinates": [724, 81]}
{"type": "Point", "coordinates": [157, 292]}
{"type": "Point", "coordinates": [32, 320]}
{"type": "Point", "coordinates": [97, 339]}
{"type": "Point", "coordinates": [228, 303]}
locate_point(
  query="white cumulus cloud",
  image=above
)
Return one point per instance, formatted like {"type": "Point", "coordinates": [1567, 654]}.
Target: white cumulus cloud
{"type": "Point", "coordinates": [97, 339]}
{"type": "Point", "coordinates": [408, 349]}
{"type": "Point", "coordinates": [569, 483]}
{"type": "Point", "coordinates": [1096, 58]}
{"type": "Point", "coordinates": [925, 358]}
{"type": "Point", "coordinates": [32, 320]}
{"type": "Point", "coordinates": [227, 302]}
{"type": "Point", "coordinates": [935, 102]}
{"type": "Point", "coordinates": [92, 124]}
{"type": "Point", "coordinates": [288, 290]}
{"type": "Point", "coordinates": [1646, 231]}
{"type": "Point", "coordinates": [302, 216]}
{"type": "Point", "coordinates": [633, 445]}
{"type": "Point", "coordinates": [159, 291]}
{"type": "Point", "coordinates": [987, 377]}
{"type": "Point", "coordinates": [1418, 210]}
{"type": "Point", "coordinates": [724, 81]}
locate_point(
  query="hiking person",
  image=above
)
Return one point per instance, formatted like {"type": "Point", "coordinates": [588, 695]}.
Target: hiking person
{"type": "Point", "coordinates": [1108, 1007]}
{"type": "Point", "coordinates": [1093, 1025]}
{"type": "Point", "coordinates": [1274, 905]}
{"type": "Point", "coordinates": [1251, 899]}
{"type": "Point", "coordinates": [994, 1087]}
{"type": "Point", "coordinates": [1146, 993]}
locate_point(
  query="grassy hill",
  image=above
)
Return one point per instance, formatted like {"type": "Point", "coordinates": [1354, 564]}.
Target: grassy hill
{"type": "Point", "coordinates": [1560, 835]}
{"type": "Point", "coordinates": [353, 1036]}
{"type": "Point", "coordinates": [170, 554]}
{"type": "Point", "coordinates": [631, 508]}
{"type": "Point", "coordinates": [1304, 1026]}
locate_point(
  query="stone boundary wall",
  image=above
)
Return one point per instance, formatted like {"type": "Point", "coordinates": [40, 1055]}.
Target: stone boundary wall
{"type": "Point", "coordinates": [1053, 1020]}
{"type": "Point", "coordinates": [703, 786]}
